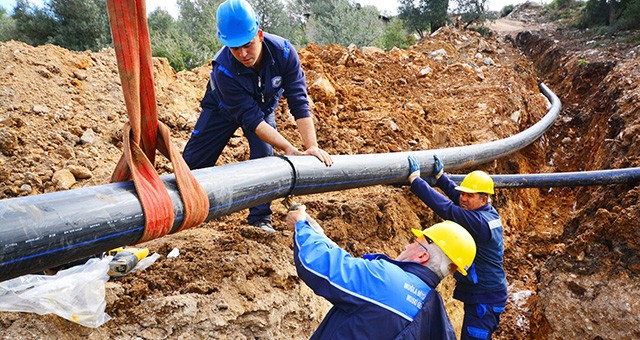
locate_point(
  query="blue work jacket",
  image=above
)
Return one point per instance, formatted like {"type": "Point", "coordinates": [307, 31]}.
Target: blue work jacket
{"type": "Point", "coordinates": [247, 95]}
{"type": "Point", "coordinates": [486, 281]}
{"type": "Point", "coordinates": [373, 297]}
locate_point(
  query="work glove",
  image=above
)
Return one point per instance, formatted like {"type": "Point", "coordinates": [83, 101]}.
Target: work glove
{"type": "Point", "coordinates": [438, 167]}
{"type": "Point", "coordinates": [414, 169]}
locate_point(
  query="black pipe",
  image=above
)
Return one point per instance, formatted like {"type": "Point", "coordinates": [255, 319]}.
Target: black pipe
{"type": "Point", "coordinates": [44, 231]}
{"type": "Point", "coordinates": [563, 179]}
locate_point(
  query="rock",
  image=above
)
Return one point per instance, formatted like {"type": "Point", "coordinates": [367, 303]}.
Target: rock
{"type": "Point", "coordinates": [32, 179]}
{"type": "Point", "coordinates": [40, 109]}
{"type": "Point", "coordinates": [45, 73]}
{"type": "Point", "coordinates": [441, 53]}
{"type": "Point", "coordinates": [8, 141]}
{"type": "Point", "coordinates": [80, 172]}
{"type": "Point", "coordinates": [26, 188]}
{"type": "Point", "coordinates": [66, 151]}
{"type": "Point", "coordinates": [88, 137]}
{"type": "Point", "coordinates": [425, 71]}
{"type": "Point", "coordinates": [370, 51]}
{"type": "Point", "coordinates": [113, 292]}
{"type": "Point", "coordinates": [515, 116]}
{"type": "Point", "coordinates": [79, 75]}
{"type": "Point", "coordinates": [483, 46]}
{"type": "Point", "coordinates": [391, 124]}
{"type": "Point", "coordinates": [63, 179]}
{"type": "Point", "coordinates": [393, 147]}
{"type": "Point", "coordinates": [322, 90]}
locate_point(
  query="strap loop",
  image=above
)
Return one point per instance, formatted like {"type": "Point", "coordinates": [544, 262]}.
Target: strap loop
{"type": "Point", "coordinates": [135, 65]}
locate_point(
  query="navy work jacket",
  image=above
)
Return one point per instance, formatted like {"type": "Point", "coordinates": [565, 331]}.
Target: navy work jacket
{"type": "Point", "coordinates": [486, 281]}
{"type": "Point", "coordinates": [246, 95]}
{"type": "Point", "coordinates": [373, 297]}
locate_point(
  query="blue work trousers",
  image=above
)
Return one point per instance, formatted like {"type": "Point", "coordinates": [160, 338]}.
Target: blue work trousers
{"type": "Point", "coordinates": [211, 134]}
{"type": "Point", "coordinates": [480, 320]}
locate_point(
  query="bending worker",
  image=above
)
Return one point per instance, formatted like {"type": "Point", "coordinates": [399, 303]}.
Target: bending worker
{"type": "Point", "coordinates": [249, 74]}
{"type": "Point", "coordinates": [375, 297]}
{"type": "Point", "coordinates": [484, 290]}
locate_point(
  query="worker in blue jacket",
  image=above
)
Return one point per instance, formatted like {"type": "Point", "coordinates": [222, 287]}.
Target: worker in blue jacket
{"type": "Point", "coordinates": [376, 297]}
{"type": "Point", "coordinates": [484, 290]}
{"type": "Point", "coordinates": [249, 75]}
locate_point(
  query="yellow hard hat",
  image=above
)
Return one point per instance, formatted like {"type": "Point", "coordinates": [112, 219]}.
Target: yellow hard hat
{"type": "Point", "coordinates": [454, 240]}
{"type": "Point", "coordinates": [477, 181]}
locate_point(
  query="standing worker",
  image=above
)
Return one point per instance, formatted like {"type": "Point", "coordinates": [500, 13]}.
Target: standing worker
{"type": "Point", "coordinates": [484, 290]}
{"type": "Point", "coordinates": [249, 74]}
{"type": "Point", "coordinates": [375, 297]}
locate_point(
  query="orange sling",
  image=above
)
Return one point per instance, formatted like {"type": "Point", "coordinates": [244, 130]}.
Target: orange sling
{"type": "Point", "coordinates": [144, 133]}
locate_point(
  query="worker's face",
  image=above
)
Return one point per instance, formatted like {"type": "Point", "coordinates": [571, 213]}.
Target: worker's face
{"type": "Point", "coordinates": [415, 251]}
{"type": "Point", "coordinates": [472, 201]}
{"type": "Point", "coordinates": [250, 53]}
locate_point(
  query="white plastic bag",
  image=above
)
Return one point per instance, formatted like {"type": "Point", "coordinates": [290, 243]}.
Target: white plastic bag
{"type": "Point", "coordinates": [146, 262]}
{"type": "Point", "coordinates": [76, 294]}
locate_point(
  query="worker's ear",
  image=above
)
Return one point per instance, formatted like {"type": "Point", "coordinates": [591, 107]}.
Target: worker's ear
{"type": "Point", "coordinates": [261, 35]}
{"type": "Point", "coordinates": [424, 258]}
{"type": "Point", "coordinates": [485, 199]}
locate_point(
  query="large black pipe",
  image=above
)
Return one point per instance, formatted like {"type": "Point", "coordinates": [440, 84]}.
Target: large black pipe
{"type": "Point", "coordinates": [563, 179]}
{"type": "Point", "coordinates": [43, 231]}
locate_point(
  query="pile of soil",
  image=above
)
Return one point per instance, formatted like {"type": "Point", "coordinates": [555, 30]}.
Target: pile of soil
{"type": "Point", "coordinates": [61, 115]}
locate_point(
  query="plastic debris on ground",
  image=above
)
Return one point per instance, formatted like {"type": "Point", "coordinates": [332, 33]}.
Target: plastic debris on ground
{"type": "Point", "coordinates": [175, 252]}
{"type": "Point", "coordinates": [76, 294]}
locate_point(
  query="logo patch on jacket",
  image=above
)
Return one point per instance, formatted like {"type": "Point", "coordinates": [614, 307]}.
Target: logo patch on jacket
{"type": "Point", "coordinates": [276, 82]}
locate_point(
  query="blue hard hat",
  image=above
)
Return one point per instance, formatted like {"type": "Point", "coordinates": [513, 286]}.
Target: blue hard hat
{"type": "Point", "coordinates": [237, 23]}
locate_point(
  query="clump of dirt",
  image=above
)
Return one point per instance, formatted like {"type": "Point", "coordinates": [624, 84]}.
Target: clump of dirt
{"type": "Point", "coordinates": [61, 115]}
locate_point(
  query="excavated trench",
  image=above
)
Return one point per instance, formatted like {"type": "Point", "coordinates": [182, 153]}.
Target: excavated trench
{"type": "Point", "coordinates": [588, 283]}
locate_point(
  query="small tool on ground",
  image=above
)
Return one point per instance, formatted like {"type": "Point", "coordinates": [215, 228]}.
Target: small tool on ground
{"type": "Point", "coordinates": [125, 259]}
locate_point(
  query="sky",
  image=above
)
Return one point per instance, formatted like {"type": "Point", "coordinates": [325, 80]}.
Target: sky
{"type": "Point", "coordinates": [385, 6]}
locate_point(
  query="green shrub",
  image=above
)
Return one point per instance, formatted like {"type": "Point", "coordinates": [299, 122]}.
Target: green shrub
{"type": "Point", "coordinates": [506, 10]}
{"type": "Point", "coordinates": [630, 17]}
{"type": "Point", "coordinates": [483, 30]}
{"type": "Point", "coordinates": [596, 13]}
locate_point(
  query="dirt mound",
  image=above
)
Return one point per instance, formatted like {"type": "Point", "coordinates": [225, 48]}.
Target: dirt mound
{"type": "Point", "coordinates": [61, 115]}
{"type": "Point", "coordinates": [527, 12]}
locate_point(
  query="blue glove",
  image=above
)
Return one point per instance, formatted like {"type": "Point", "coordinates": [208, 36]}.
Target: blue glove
{"type": "Point", "coordinates": [438, 167]}
{"type": "Point", "coordinates": [414, 168]}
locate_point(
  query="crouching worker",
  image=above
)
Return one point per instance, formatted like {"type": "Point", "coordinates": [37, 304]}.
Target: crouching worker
{"type": "Point", "coordinates": [376, 297]}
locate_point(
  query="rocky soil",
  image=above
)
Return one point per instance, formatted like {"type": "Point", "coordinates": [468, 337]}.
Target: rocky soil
{"type": "Point", "coordinates": [571, 253]}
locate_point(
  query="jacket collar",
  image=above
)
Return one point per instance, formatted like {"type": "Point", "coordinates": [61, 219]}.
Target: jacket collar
{"type": "Point", "coordinates": [425, 274]}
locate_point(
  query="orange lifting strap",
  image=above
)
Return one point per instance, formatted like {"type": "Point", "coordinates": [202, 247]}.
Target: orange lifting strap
{"type": "Point", "coordinates": [144, 133]}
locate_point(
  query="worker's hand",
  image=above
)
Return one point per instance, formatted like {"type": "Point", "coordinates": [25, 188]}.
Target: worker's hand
{"type": "Point", "coordinates": [438, 167]}
{"type": "Point", "coordinates": [414, 169]}
{"type": "Point", "coordinates": [292, 151]}
{"type": "Point", "coordinates": [320, 154]}
{"type": "Point", "coordinates": [300, 214]}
